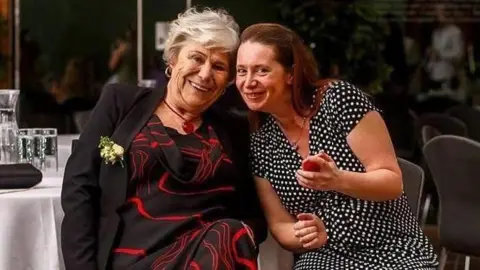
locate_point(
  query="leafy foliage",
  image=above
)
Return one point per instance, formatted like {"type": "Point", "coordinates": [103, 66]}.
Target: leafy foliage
{"type": "Point", "coordinates": [348, 34]}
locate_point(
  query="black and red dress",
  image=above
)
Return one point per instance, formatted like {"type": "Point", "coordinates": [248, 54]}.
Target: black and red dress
{"type": "Point", "coordinates": [182, 208]}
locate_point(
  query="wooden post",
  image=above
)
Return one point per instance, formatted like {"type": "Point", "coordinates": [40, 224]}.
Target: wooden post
{"type": "Point", "coordinates": [139, 41]}
{"type": "Point", "coordinates": [5, 44]}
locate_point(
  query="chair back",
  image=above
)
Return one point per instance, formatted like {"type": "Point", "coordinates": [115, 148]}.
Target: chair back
{"type": "Point", "coordinates": [428, 133]}
{"type": "Point", "coordinates": [81, 118]}
{"type": "Point", "coordinates": [471, 117]}
{"type": "Point", "coordinates": [454, 163]}
{"type": "Point", "coordinates": [413, 178]}
{"type": "Point", "coordinates": [74, 143]}
{"type": "Point", "coordinates": [443, 123]}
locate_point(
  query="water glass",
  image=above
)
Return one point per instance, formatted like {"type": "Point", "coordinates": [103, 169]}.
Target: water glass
{"type": "Point", "coordinates": [8, 125]}
{"type": "Point", "coordinates": [48, 148]}
{"type": "Point", "coordinates": [8, 132]}
{"type": "Point", "coordinates": [38, 152]}
{"type": "Point", "coordinates": [25, 146]}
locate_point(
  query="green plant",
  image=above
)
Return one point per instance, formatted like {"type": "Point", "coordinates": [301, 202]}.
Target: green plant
{"type": "Point", "coordinates": [346, 34]}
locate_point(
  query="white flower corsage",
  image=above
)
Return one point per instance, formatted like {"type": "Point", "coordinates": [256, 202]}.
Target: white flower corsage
{"type": "Point", "coordinates": [110, 151]}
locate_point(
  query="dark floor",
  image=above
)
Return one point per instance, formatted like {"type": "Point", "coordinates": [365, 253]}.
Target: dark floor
{"type": "Point", "coordinates": [431, 232]}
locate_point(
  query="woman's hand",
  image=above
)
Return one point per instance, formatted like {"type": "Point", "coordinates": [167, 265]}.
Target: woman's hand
{"type": "Point", "coordinates": [310, 231]}
{"type": "Point", "coordinates": [319, 172]}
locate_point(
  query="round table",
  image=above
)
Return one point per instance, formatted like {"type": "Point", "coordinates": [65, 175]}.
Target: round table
{"type": "Point", "coordinates": [30, 227]}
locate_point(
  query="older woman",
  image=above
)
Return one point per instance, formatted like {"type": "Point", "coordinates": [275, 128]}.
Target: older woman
{"type": "Point", "coordinates": [158, 180]}
{"type": "Point", "coordinates": [324, 164]}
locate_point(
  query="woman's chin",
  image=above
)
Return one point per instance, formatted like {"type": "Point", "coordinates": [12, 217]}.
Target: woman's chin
{"type": "Point", "coordinates": [256, 107]}
{"type": "Point", "coordinates": [198, 102]}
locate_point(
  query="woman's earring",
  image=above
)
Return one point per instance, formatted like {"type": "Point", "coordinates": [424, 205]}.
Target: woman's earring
{"type": "Point", "coordinates": [168, 71]}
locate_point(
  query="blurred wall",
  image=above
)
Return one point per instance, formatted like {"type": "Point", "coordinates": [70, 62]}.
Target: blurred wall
{"type": "Point", "coordinates": [68, 28]}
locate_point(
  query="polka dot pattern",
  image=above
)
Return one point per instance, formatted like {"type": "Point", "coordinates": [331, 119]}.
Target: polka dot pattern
{"type": "Point", "coordinates": [361, 234]}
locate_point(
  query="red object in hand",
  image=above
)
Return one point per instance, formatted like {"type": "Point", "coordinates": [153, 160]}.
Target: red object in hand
{"type": "Point", "coordinates": [311, 166]}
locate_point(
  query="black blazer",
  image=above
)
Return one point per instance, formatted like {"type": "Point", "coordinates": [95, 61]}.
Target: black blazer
{"type": "Point", "coordinates": [92, 191]}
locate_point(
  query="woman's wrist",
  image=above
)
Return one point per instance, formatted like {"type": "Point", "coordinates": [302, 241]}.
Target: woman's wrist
{"type": "Point", "coordinates": [342, 181]}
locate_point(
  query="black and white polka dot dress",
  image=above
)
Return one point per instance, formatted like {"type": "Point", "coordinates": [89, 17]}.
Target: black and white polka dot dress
{"type": "Point", "coordinates": [361, 234]}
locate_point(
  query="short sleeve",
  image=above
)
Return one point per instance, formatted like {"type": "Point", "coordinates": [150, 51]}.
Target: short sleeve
{"type": "Point", "coordinates": [347, 105]}
{"type": "Point", "coordinates": [258, 155]}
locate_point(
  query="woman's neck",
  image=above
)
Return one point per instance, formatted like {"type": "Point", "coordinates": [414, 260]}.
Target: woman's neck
{"type": "Point", "coordinates": [175, 107]}
{"type": "Point", "coordinates": [287, 117]}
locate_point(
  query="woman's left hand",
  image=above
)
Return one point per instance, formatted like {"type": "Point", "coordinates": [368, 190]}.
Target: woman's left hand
{"type": "Point", "coordinates": [326, 178]}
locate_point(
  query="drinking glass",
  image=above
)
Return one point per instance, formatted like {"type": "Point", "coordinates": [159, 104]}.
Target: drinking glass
{"type": "Point", "coordinates": [38, 152]}
{"type": "Point", "coordinates": [49, 148]}
{"type": "Point", "coordinates": [8, 125]}
{"type": "Point", "coordinates": [24, 145]}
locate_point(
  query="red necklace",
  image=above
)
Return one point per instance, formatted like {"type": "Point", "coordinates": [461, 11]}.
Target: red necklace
{"type": "Point", "coordinates": [187, 126]}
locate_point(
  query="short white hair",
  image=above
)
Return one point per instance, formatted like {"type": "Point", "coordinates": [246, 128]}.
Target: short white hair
{"type": "Point", "coordinates": [208, 27]}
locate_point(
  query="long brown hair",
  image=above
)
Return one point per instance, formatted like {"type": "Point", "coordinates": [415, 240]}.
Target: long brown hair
{"type": "Point", "coordinates": [294, 56]}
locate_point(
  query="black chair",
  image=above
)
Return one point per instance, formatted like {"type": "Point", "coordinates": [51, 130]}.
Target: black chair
{"type": "Point", "coordinates": [81, 118]}
{"type": "Point", "coordinates": [471, 117]}
{"type": "Point", "coordinates": [413, 177]}
{"type": "Point", "coordinates": [438, 123]}
{"type": "Point", "coordinates": [455, 166]}
{"type": "Point", "coordinates": [445, 124]}
{"type": "Point", "coordinates": [74, 143]}
{"type": "Point", "coordinates": [428, 132]}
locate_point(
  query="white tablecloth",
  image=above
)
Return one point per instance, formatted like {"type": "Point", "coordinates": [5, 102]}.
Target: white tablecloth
{"type": "Point", "coordinates": [30, 229]}
{"type": "Point", "coordinates": [30, 220]}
